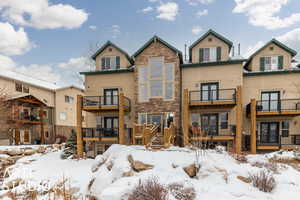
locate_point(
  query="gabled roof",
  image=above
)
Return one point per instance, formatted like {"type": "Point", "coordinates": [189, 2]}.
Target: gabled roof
{"type": "Point", "coordinates": [276, 42]}
{"type": "Point", "coordinates": [109, 43]}
{"type": "Point", "coordinates": [153, 39]}
{"type": "Point", "coordinates": [27, 98]}
{"type": "Point", "coordinates": [212, 32]}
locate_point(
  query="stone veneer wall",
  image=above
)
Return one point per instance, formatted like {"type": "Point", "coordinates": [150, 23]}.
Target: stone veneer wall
{"type": "Point", "coordinates": [158, 105]}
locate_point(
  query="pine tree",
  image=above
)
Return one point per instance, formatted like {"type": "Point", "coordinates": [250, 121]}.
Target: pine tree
{"type": "Point", "coordinates": [71, 146]}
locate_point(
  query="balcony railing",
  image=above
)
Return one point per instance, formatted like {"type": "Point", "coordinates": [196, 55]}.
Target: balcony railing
{"type": "Point", "coordinates": [220, 95]}
{"type": "Point", "coordinates": [100, 132]}
{"type": "Point", "coordinates": [104, 101]}
{"type": "Point", "coordinates": [291, 140]}
{"type": "Point", "coordinates": [213, 131]}
{"type": "Point", "coordinates": [278, 105]}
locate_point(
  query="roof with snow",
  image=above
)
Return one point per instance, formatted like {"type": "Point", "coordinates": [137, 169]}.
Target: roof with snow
{"type": "Point", "coordinates": [28, 79]}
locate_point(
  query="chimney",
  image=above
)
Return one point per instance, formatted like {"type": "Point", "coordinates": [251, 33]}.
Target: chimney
{"type": "Point", "coordinates": [185, 46]}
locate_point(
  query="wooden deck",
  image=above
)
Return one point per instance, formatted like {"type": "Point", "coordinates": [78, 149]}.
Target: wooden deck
{"type": "Point", "coordinates": [213, 138]}
{"type": "Point", "coordinates": [212, 103]}
{"type": "Point", "coordinates": [268, 147]}
{"type": "Point", "coordinates": [101, 139]}
{"type": "Point", "coordinates": [287, 113]}
{"type": "Point", "coordinates": [114, 108]}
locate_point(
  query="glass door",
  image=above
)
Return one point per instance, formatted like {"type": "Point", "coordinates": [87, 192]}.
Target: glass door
{"type": "Point", "coordinates": [209, 124]}
{"type": "Point", "coordinates": [156, 119]}
{"type": "Point", "coordinates": [111, 126]}
{"type": "Point", "coordinates": [270, 101]}
{"type": "Point", "coordinates": [269, 132]}
{"type": "Point", "coordinates": [209, 91]}
{"type": "Point", "coordinates": [111, 96]}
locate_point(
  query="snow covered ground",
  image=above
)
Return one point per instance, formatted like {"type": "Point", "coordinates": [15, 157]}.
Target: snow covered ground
{"type": "Point", "coordinates": [111, 177]}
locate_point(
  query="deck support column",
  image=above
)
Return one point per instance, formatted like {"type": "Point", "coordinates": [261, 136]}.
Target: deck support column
{"type": "Point", "coordinates": [239, 121]}
{"type": "Point", "coordinates": [79, 126]}
{"type": "Point", "coordinates": [121, 118]}
{"type": "Point", "coordinates": [253, 126]}
{"type": "Point", "coordinates": [42, 125]}
{"type": "Point", "coordinates": [186, 117]}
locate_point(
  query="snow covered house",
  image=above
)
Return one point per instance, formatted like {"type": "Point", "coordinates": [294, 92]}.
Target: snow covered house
{"type": "Point", "coordinates": [155, 98]}
{"type": "Point", "coordinates": [40, 110]}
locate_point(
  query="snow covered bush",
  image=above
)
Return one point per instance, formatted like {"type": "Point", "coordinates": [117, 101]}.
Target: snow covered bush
{"type": "Point", "coordinates": [182, 193]}
{"type": "Point", "coordinates": [71, 146]}
{"type": "Point", "coordinates": [149, 189]}
{"type": "Point", "coordinates": [263, 180]}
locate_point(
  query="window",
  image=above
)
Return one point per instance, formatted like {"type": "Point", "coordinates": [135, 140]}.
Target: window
{"type": "Point", "coordinates": [209, 91]}
{"type": "Point", "coordinates": [110, 62]}
{"type": "Point", "coordinates": [18, 87]}
{"type": "Point", "coordinates": [156, 80]}
{"type": "Point", "coordinates": [224, 120]}
{"type": "Point", "coordinates": [69, 99]}
{"type": "Point", "coordinates": [211, 54]}
{"type": "Point", "coordinates": [63, 116]}
{"type": "Point", "coordinates": [142, 118]}
{"type": "Point", "coordinates": [285, 126]}
{"type": "Point", "coordinates": [271, 63]}
{"type": "Point", "coordinates": [25, 88]}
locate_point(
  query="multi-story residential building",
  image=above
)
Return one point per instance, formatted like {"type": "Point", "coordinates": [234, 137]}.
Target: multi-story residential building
{"type": "Point", "coordinates": [244, 104]}
{"type": "Point", "coordinates": [40, 111]}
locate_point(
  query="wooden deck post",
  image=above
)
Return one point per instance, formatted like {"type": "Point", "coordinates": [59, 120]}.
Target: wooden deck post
{"type": "Point", "coordinates": [42, 125]}
{"type": "Point", "coordinates": [239, 120]}
{"type": "Point", "coordinates": [186, 117]}
{"type": "Point", "coordinates": [121, 118]}
{"type": "Point", "coordinates": [253, 126]}
{"type": "Point", "coordinates": [79, 126]}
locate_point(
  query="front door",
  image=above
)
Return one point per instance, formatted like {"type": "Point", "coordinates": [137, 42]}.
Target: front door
{"type": "Point", "coordinates": [269, 132]}
{"type": "Point", "coordinates": [111, 126]}
{"type": "Point", "coordinates": [156, 119]}
{"type": "Point", "coordinates": [270, 101]}
{"type": "Point", "coordinates": [17, 136]}
{"type": "Point", "coordinates": [209, 91]}
{"type": "Point", "coordinates": [209, 124]}
{"type": "Point", "coordinates": [111, 96]}
{"type": "Point", "coordinates": [26, 137]}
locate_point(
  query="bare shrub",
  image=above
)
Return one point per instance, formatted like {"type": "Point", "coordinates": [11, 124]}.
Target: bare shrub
{"type": "Point", "coordinates": [182, 193]}
{"type": "Point", "coordinates": [263, 180]}
{"type": "Point", "coordinates": [270, 166]}
{"type": "Point", "coordinates": [149, 190]}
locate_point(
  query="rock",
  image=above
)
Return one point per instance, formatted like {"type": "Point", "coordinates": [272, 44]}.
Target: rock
{"type": "Point", "coordinates": [14, 183]}
{"type": "Point", "coordinates": [174, 166]}
{"type": "Point", "coordinates": [41, 149]}
{"type": "Point", "coordinates": [98, 164]}
{"type": "Point", "coordinates": [244, 179]}
{"type": "Point", "coordinates": [14, 152]}
{"type": "Point", "coordinates": [138, 165]}
{"type": "Point", "coordinates": [109, 166]}
{"type": "Point", "coordinates": [4, 157]}
{"type": "Point", "coordinates": [29, 152]}
{"type": "Point", "coordinates": [3, 151]}
{"type": "Point", "coordinates": [128, 174]}
{"type": "Point", "coordinates": [191, 170]}
{"type": "Point", "coordinates": [56, 146]}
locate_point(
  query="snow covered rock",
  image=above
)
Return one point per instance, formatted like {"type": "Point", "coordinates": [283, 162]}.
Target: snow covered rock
{"type": "Point", "coordinates": [244, 179]}
{"type": "Point", "coordinates": [41, 149]}
{"type": "Point", "coordinates": [191, 170]}
{"type": "Point", "coordinates": [14, 152]}
{"type": "Point", "coordinates": [138, 166]}
{"type": "Point", "coordinates": [29, 152]}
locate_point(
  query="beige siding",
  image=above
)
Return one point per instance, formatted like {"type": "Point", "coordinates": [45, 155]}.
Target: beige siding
{"type": "Point", "coordinates": [124, 63]}
{"type": "Point", "coordinates": [254, 65]}
{"type": "Point", "coordinates": [207, 44]}
{"type": "Point", "coordinates": [68, 108]}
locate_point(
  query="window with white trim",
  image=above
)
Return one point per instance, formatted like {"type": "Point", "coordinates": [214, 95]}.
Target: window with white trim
{"type": "Point", "coordinates": [63, 116]}
{"type": "Point", "coordinates": [271, 63]}
{"type": "Point", "coordinates": [112, 62]}
{"type": "Point", "coordinates": [156, 80]}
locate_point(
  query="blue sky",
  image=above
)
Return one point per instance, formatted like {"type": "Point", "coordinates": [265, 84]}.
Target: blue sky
{"type": "Point", "coordinates": [50, 39]}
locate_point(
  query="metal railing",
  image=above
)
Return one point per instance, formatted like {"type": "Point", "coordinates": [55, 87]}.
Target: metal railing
{"type": "Point", "coordinates": [219, 130]}
{"type": "Point", "coordinates": [213, 95]}
{"type": "Point", "coordinates": [291, 140]}
{"type": "Point", "coordinates": [102, 101]}
{"type": "Point", "coordinates": [100, 132]}
{"type": "Point", "coordinates": [278, 105]}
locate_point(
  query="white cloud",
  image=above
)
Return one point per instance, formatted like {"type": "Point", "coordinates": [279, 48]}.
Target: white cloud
{"type": "Point", "coordinates": [196, 30]}
{"type": "Point", "coordinates": [78, 64]}
{"type": "Point", "coordinates": [202, 12]}
{"type": "Point", "coordinates": [251, 49]}
{"type": "Point", "coordinates": [42, 14]}
{"type": "Point", "coordinates": [292, 40]}
{"type": "Point", "coordinates": [196, 2]}
{"type": "Point", "coordinates": [147, 9]}
{"type": "Point", "coordinates": [6, 62]}
{"type": "Point", "coordinates": [153, 1]}
{"type": "Point", "coordinates": [116, 30]}
{"type": "Point", "coordinates": [263, 13]}
{"type": "Point", "coordinates": [13, 42]}
{"type": "Point", "coordinates": [167, 11]}
{"type": "Point", "coordinates": [92, 27]}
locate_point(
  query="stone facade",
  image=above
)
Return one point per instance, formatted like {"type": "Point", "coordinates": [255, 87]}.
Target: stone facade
{"type": "Point", "coordinates": [159, 105]}
{"type": "Point", "coordinates": [64, 130]}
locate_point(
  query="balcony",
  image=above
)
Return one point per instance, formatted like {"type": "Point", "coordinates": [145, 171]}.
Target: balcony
{"type": "Point", "coordinates": [283, 107]}
{"type": "Point", "coordinates": [104, 103]}
{"type": "Point", "coordinates": [213, 133]}
{"type": "Point", "coordinates": [110, 135]}
{"type": "Point", "coordinates": [213, 98]}
{"type": "Point", "coordinates": [276, 143]}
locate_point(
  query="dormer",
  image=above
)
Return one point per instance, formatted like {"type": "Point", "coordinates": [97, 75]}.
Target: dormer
{"type": "Point", "coordinates": [211, 47]}
{"type": "Point", "coordinates": [273, 56]}
{"type": "Point", "coordinates": [111, 57]}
